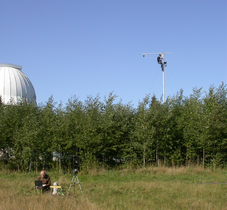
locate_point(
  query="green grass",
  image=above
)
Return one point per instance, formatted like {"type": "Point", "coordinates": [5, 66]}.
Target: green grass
{"type": "Point", "coordinates": [152, 188]}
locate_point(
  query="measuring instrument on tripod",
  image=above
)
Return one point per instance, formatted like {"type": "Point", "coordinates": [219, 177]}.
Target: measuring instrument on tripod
{"type": "Point", "coordinates": [75, 180]}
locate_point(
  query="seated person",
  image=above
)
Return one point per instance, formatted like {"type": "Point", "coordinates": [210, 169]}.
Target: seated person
{"type": "Point", "coordinates": [45, 178]}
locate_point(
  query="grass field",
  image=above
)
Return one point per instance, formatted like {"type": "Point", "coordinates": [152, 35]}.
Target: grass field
{"type": "Point", "coordinates": [151, 188]}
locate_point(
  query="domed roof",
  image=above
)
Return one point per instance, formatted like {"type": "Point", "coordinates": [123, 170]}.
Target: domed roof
{"type": "Point", "coordinates": [15, 85]}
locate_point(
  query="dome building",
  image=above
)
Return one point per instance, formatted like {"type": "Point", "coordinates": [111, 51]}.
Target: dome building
{"type": "Point", "coordinates": [15, 85]}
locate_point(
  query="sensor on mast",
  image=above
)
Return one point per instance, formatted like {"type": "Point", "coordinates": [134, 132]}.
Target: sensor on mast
{"type": "Point", "coordinates": [161, 60]}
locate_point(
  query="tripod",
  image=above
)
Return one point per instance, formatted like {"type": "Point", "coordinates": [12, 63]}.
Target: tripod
{"type": "Point", "coordinates": [75, 180]}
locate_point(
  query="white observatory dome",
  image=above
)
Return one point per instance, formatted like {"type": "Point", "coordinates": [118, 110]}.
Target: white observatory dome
{"type": "Point", "coordinates": [15, 85]}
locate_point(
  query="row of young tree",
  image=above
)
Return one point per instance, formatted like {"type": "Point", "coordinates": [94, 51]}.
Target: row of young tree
{"type": "Point", "coordinates": [182, 131]}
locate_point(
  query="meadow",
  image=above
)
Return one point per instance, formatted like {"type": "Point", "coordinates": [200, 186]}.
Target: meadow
{"type": "Point", "coordinates": [150, 188]}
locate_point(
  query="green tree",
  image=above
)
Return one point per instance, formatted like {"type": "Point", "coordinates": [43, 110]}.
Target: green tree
{"type": "Point", "coordinates": [142, 134]}
{"type": "Point", "coordinates": [215, 128]}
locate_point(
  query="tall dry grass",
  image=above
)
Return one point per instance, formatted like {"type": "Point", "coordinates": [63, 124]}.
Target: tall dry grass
{"type": "Point", "coordinates": [11, 201]}
{"type": "Point", "coordinates": [151, 188]}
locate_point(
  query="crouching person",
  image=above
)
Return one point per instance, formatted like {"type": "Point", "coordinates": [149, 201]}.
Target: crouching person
{"type": "Point", "coordinates": [45, 178]}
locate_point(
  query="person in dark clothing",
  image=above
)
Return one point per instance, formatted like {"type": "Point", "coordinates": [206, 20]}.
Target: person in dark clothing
{"type": "Point", "coordinates": [159, 59]}
{"type": "Point", "coordinates": [45, 178]}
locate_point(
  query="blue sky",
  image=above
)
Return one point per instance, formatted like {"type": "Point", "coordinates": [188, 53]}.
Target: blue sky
{"type": "Point", "coordinates": [90, 47]}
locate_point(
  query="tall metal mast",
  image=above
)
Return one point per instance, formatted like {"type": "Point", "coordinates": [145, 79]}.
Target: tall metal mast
{"type": "Point", "coordinates": [164, 64]}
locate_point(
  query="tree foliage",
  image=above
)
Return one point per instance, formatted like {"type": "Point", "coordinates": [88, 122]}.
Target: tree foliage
{"type": "Point", "coordinates": [183, 131]}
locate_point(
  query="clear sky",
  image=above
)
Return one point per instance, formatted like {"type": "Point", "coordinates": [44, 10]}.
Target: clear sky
{"type": "Point", "coordinates": [90, 47]}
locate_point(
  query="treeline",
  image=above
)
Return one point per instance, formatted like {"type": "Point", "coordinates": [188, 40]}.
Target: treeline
{"type": "Point", "coordinates": [183, 131]}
